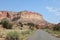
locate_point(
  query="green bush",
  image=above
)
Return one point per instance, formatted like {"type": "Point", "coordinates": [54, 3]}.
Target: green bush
{"type": "Point", "coordinates": [56, 28]}
{"type": "Point", "coordinates": [31, 25]}
{"type": "Point", "coordinates": [12, 36]}
{"type": "Point", "coordinates": [6, 24]}
{"type": "Point", "coordinates": [20, 24]}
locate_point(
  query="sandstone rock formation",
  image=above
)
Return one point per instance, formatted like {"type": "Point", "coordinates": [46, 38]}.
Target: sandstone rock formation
{"type": "Point", "coordinates": [24, 17]}
{"type": "Point", "coordinates": [27, 16]}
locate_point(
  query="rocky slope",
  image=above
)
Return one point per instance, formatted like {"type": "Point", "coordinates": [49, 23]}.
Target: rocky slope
{"type": "Point", "coordinates": [24, 17]}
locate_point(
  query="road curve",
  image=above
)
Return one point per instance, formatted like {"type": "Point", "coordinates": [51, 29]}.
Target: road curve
{"type": "Point", "coordinates": [42, 35]}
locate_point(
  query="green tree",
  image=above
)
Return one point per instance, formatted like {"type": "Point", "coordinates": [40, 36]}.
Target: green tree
{"type": "Point", "coordinates": [56, 28]}
{"type": "Point", "coordinates": [21, 24]}
{"type": "Point", "coordinates": [31, 25]}
{"type": "Point", "coordinates": [6, 24]}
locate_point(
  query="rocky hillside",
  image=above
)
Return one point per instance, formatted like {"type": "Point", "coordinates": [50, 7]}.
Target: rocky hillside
{"type": "Point", "coordinates": [24, 17]}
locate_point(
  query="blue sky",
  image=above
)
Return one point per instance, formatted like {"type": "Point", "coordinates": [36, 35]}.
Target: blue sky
{"type": "Point", "coordinates": [50, 9]}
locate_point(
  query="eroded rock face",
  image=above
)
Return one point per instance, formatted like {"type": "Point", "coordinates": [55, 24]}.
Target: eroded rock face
{"type": "Point", "coordinates": [24, 17]}
{"type": "Point", "coordinates": [3, 14]}
{"type": "Point", "coordinates": [6, 14]}
{"type": "Point", "coordinates": [31, 15]}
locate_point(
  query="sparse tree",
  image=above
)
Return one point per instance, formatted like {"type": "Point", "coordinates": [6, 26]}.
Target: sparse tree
{"type": "Point", "coordinates": [56, 28]}
{"type": "Point", "coordinates": [6, 24]}
{"type": "Point", "coordinates": [31, 25]}
{"type": "Point", "coordinates": [21, 25]}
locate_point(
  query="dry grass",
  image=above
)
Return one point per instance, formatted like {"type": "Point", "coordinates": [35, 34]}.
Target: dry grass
{"type": "Point", "coordinates": [54, 33]}
{"type": "Point", "coordinates": [4, 32]}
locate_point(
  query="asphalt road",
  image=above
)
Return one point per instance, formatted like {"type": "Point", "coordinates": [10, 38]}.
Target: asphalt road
{"type": "Point", "coordinates": [42, 35]}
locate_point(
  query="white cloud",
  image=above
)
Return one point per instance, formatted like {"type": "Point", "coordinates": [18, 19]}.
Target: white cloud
{"type": "Point", "coordinates": [53, 10]}
{"type": "Point", "coordinates": [57, 13]}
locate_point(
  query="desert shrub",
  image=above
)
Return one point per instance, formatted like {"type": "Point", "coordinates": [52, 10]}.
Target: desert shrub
{"type": "Point", "coordinates": [25, 32]}
{"type": "Point", "coordinates": [31, 25]}
{"type": "Point", "coordinates": [46, 27]}
{"type": "Point", "coordinates": [0, 21]}
{"type": "Point", "coordinates": [56, 28]}
{"type": "Point", "coordinates": [12, 36]}
{"type": "Point", "coordinates": [20, 24]}
{"type": "Point", "coordinates": [6, 24]}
